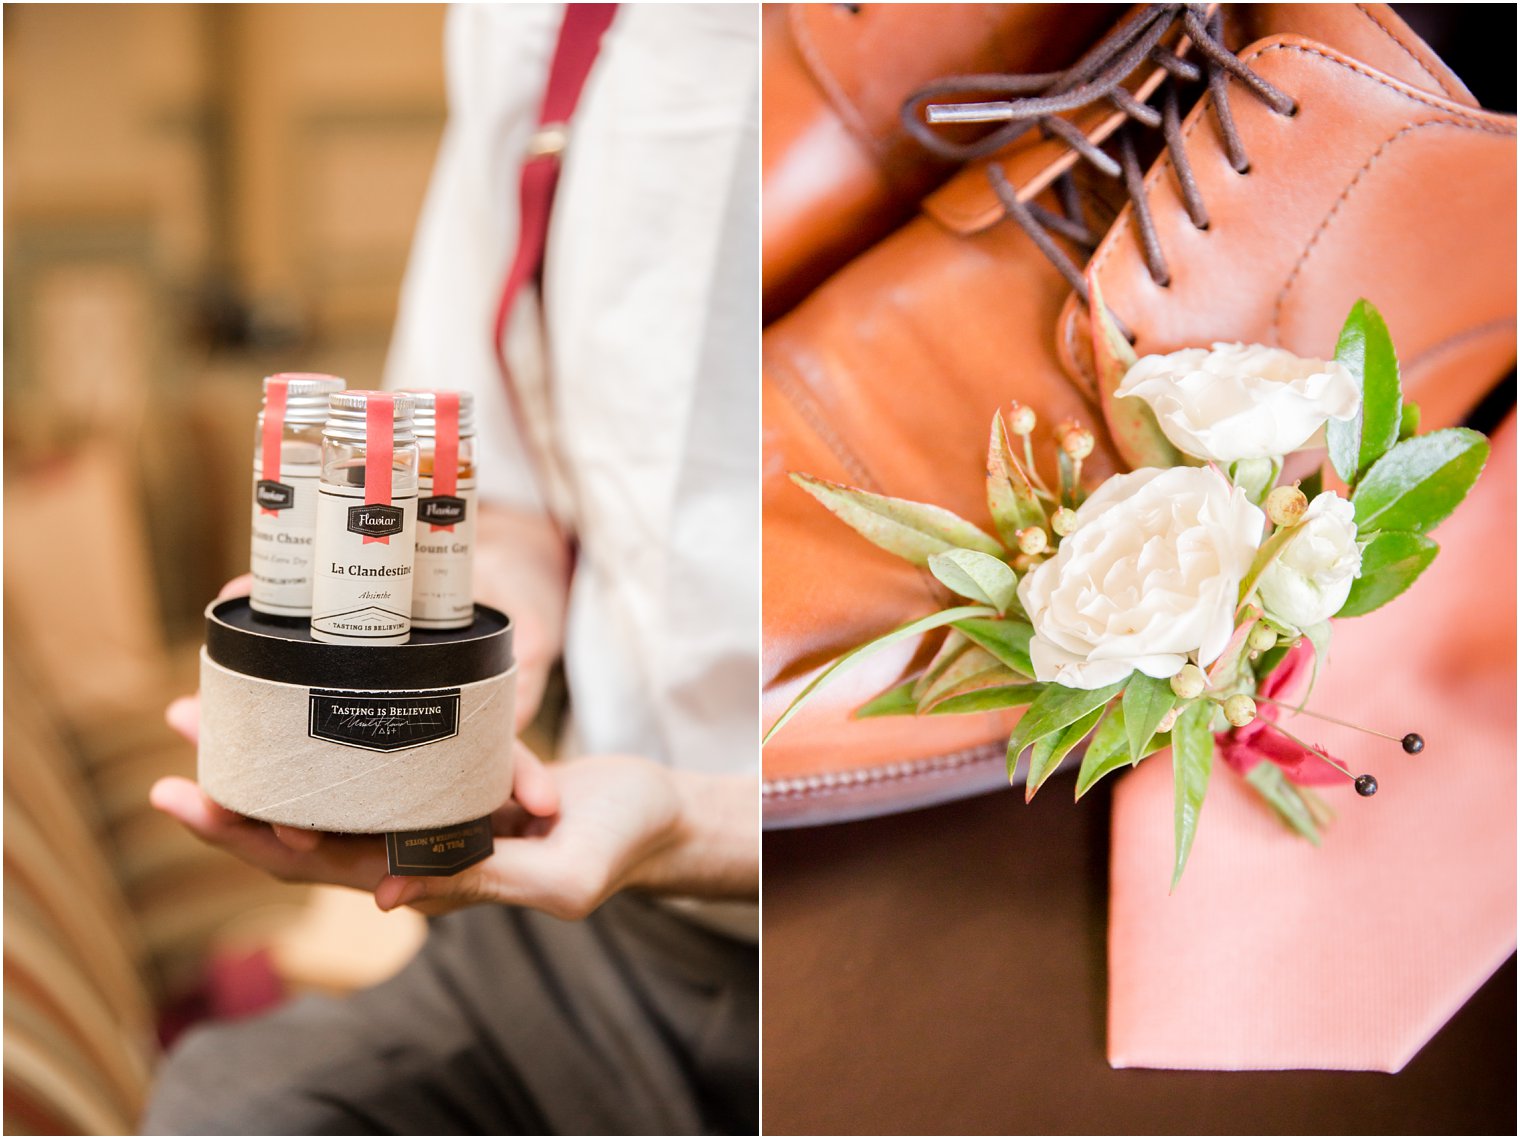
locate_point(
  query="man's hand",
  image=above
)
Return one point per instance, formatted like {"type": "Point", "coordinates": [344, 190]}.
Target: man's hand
{"type": "Point", "coordinates": [623, 823]}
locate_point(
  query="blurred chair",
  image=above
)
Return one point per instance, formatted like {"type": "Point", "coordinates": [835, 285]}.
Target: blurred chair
{"type": "Point", "coordinates": [79, 1039]}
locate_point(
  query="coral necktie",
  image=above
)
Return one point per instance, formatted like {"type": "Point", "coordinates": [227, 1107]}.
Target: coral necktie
{"type": "Point", "coordinates": [1275, 955]}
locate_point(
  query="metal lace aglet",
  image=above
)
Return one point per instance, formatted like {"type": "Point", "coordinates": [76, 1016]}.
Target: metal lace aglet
{"type": "Point", "coordinates": [968, 112]}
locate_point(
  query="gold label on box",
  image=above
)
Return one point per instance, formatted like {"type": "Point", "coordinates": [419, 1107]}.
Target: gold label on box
{"type": "Point", "coordinates": [440, 852]}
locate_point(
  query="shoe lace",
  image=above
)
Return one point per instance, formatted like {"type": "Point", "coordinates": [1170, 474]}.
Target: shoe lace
{"type": "Point", "coordinates": [1039, 100]}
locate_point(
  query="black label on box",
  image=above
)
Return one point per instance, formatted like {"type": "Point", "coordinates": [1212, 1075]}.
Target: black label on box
{"type": "Point", "coordinates": [441, 510]}
{"type": "Point", "coordinates": [439, 852]}
{"type": "Point", "coordinates": [377, 521]}
{"type": "Point", "coordinates": [272, 495]}
{"type": "Point", "coordinates": [384, 721]}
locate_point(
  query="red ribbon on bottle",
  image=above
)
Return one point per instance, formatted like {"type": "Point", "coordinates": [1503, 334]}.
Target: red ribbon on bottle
{"type": "Point", "coordinates": [380, 447]}
{"type": "Point", "coordinates": [445, 449]}
{"type": "Point", "coordinates": [274, 434]}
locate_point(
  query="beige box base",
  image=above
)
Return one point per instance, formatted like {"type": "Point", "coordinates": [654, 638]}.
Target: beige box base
{"type": "Point", "coordinates": [258, 757]}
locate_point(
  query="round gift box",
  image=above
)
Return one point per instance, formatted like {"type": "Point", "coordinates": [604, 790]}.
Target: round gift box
{"type": "Point", "coordinates": [361, 739]}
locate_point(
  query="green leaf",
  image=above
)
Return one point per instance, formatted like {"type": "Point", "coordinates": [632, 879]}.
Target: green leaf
{"type": "Point", "coordinates": [988, 699]}
{"type": "Point", "coordinates": [1367, 351]}
{"type": "Point", "coordinates": [1147, 700]}
{"type": "Point", "coordinates": [1267, 663]}
{"type": "Point", "coordinates": [974, 669]}
{"type": "Point", "coordinates": [1108, 751]}
{"type": "Point", "coordinates": [1319, 810]}
{"type": "Point", "coordinates": [1131, 424]}
{"type": "Point", "coordinates": [911, 629]}
{"type": "Point", "coordinates": [895, 701]}
{"type": "Point", "coordinates": [1070, 489]}
{"type": "Point", "coordinates": [911, 530]}
{"type": "Point", "coordinates": [981, 577]}
{"type": "Point", "coordinates": [1048, 753]}
{"type": "Point", "coordinates": [1010, 497]}
{"type": "Point", "coordinates": [1420, 481]}
{"type": "Point", "coordinates": [1390, 563]}
{"type": "Point", "coordinates": [1255, 476]}
{"type": "Point", "coordinates": [1409, 422]}
{"type": "Point", "coordinates": [1319, 637]}
{"type": "Point", "coordinates": [1267, 553]}
{"type": "Point", "coordinates": [1004, 639]}
{"type": "Point", "coordinates": [949, 651]}
{"type": "Point", "coordinates": [1314, 484]}
{"type": "Point", "coordinates": [1054, 709]}
{"type": "Point", "coordinates": [1284, 798]}
{"type": "Point", "coordinates": [1192, 758]}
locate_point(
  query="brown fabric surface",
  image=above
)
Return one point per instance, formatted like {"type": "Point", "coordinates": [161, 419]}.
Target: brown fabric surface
{"type": "Point", "coordinates": [943, 971]}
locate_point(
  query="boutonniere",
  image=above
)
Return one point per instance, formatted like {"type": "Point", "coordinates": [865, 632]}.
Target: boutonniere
{"type": "Point", "coordinates": [1187, 604]}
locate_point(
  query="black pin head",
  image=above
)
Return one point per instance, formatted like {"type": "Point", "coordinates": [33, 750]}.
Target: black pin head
{"type": "Point", "coordinates": [1366, 786]}
{"type": "Point", "coordinates": [1413, 743]}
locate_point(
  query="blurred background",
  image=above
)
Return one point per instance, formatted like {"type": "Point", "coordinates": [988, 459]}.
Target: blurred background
{"type": "Point", "coordinates": [195, 196]}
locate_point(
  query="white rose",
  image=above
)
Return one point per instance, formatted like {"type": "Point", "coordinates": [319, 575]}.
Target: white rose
{"type": "Point", "coordinates": [1241, 401]}
{"type": "Point", "coordinates": [1309, 581]}
{"type": "Point", "coordinates": [1150, 577]}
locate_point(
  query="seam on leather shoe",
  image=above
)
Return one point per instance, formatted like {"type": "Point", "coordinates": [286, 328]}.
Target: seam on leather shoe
{"type": "Point", "coordinates": [1398, 40]}
{"type": "Point", "coordinates": [1474, 117]}
{"type": "Point", "coordinates": [796, 391]}
{"type": "Point", "coordinates": [1345, 194]}
{"type": "Point", "coordinates": [829, 85]}
{"type": "Point", "coordinates": [1378, 77]}
{"type": "Point", "coordinates": [1164, 165]}
{"type": "Point", "coordinates": [1457, 339]}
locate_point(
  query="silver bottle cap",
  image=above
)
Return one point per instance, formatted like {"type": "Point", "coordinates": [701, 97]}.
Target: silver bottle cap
{"type": "Point", "coordinates": [348, 416]}
{"type": "Point", "coordinates": [306, 395]}
{"type": "Point", "coordinates": [423, 415]}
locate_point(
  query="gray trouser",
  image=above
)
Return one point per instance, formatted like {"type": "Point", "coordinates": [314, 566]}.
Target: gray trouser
{"type": "Point", "coordinates": [633, 1021]}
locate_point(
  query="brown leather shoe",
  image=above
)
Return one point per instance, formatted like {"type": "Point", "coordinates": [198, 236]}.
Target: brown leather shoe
{"type": "Point", "coordinates": [840, 171]}
{"type": "Point", "coordinates": [1334, 157]}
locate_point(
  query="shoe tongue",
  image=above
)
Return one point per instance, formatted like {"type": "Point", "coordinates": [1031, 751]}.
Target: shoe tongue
{"type": "Point", "coordinates": [1370, 33]}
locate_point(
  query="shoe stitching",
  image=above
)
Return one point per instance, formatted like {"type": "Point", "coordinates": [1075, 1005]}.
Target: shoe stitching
{"type": "Point", "coordinates": [1164, 163]}
{"type": "Point", "coordinates": [795, 390]}
{"type": "Point", "coordinates": [1345, 196]}
{"type": "Point", "coordinates": [824, 77]}
{"type": "Point", "coordinates": [1409, 51]}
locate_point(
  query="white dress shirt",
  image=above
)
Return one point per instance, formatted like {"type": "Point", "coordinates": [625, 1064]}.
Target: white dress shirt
{"type": "Point", "coordinates": [640, 368]}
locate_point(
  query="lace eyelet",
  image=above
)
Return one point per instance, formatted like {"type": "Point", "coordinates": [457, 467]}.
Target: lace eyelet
{"type": "Point", "coordinates": [852, 9]}
{"type": "Point", "coordinates": [1292, 111]}
{"type": "Point", "coordinates": [1204, 228]}
{"type": "Point", "coordinates": [1243, 170]}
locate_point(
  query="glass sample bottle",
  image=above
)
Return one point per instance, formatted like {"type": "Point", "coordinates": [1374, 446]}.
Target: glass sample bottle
{"type": "Point", "coordinates": [287, 458]}
{"type": "Point", "coordinates": [443, 595]}
{"type": "Point", "coordinates": [366, 521]}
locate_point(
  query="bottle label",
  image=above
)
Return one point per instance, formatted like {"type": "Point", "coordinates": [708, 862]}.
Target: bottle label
{"type": "Point", "coordinates": [284, 522]}
{"type": "Point", "coordinates": [362, 580]}
{"type": "Point", "coordinates": [443, 595]}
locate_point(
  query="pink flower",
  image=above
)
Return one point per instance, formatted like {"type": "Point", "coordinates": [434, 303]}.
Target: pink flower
{"type": "Point", "coordinates": [1243, 748]}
